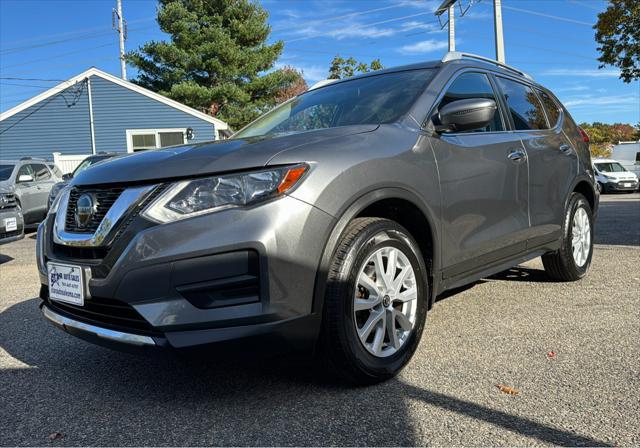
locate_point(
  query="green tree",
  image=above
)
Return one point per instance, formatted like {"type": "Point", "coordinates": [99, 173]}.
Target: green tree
{"type": "Point", "coordinates": [618, 33]}
{"type": "Point", "coordinates": [603, 136]}
{"type": "Point", "coordinates": [344, 68]}
{"type": "Point", "coordinates": [216, 60]}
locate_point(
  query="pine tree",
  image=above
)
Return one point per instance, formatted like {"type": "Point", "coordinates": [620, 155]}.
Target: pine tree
{"type": "Point", "coordinates": [217, 59]}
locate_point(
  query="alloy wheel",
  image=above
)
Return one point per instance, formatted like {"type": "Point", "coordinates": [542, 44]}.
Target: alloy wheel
{"type": "Point", "coordinates": [580, 237]}
{"type": "Point", "coordinates": [385, 301]}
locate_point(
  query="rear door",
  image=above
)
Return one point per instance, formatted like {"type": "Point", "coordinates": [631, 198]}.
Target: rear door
{"type": "Point", "coordinates": [44, 181]}
{"type": "Point", "coordinates": [484, 186]}
{"type": "Point", "coordinates": [553, 162]}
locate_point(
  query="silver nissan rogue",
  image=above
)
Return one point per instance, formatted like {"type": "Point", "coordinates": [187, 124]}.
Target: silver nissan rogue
{"type": "Point", "coordinates": [329, 224]}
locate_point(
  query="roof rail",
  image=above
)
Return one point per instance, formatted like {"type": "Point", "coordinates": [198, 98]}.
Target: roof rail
{"type": "Point", "coordinates": [26, 158]}
{"type": "Point", "coordinates": [457, 55]}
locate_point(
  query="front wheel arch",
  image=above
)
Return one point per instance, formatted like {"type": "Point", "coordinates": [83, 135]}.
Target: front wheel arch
{"type": "Point", "coordinates": [354, 210]}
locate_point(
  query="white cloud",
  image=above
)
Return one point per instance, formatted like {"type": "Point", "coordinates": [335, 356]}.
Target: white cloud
{"type": "Point", "coordinates": [582, 72]}
{"type": "Point", "coordinates": [605, 100]}
{"type": "Point", "coordinates": [579, 88]}
{"type": "Point", "coordinates": [425, 46]}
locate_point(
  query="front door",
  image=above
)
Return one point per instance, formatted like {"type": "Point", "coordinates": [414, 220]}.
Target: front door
{"type": "Point", "coordinates": [27, 194]}
{"type": "Point", "coordinates": [484, 187]}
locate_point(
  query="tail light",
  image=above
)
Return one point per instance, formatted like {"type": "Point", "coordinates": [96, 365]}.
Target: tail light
{"type": "Point", "coordinates": [584, 135]}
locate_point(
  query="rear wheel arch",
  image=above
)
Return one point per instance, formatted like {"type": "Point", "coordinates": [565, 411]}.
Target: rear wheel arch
{"type": "Point", "coordinates": [388, 203]}
{"type": "Point", "coordinates": [586, 189]}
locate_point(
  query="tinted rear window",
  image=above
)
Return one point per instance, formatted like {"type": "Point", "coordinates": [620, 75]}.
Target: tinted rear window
{"type": "Point", "coordinates": [524, 106]}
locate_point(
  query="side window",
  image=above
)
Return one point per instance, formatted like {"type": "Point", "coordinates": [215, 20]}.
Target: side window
{"type": "Point", "coordinates": [41, 172]}
{"type": "Point", "coordinates": [473, 85]}
{"type": "Point", "coordinates": [524, 106]}
{"type": "Point", "coordinates": [56, 170]}
{"type": "Point", "coordinates": [550, 106]}
{"type": "Point", "coordinates": [25, 170]}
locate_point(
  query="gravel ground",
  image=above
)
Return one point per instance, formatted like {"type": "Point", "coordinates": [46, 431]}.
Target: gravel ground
{"type": "Point", "coordinates": [497, 331]}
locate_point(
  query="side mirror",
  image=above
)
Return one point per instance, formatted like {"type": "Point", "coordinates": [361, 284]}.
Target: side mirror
{"type": "Point", "coordinates": [25, 178]}
{"type": "Point", "coordinates": [464, 115]}
{"type": "Point", "coordinates": [67, 176]}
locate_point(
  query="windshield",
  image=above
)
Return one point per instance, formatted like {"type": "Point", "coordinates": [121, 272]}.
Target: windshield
{"type": "Point", "coordinates": [86, 163]}
{"type": "Point", "coordinates": [610, 167]}
{"type": "Point", "coordinates": [5, 171]}
{"type": "Point", "coordinates": [370, 100]}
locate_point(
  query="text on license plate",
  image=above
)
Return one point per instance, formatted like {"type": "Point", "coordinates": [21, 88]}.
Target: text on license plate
{"type": "Point", "coordinates": [10, 224]}
{"type": "Point", "coordinates": [66, 283]}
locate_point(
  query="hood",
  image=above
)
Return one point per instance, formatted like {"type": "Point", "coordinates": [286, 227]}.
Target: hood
{"type": "Point", "coordinates": [6, 186]}
{"type": "Point", "coordinates": [206, 158]}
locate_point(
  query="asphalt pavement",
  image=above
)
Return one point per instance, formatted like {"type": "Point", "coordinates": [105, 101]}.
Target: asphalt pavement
{"type": "Point", "coordinates": [570, 350]}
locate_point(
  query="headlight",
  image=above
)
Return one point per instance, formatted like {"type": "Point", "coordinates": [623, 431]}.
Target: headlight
{"type": "Point", "coordinates": [200, 196]}
{"type": "Point", "coordinates": [53, 207]}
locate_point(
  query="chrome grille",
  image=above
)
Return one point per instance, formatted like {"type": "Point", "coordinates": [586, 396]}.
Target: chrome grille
{"type": "Point", "coordinates": [104, 199]}
{"type": "Point", "coordinates": [7, 201]}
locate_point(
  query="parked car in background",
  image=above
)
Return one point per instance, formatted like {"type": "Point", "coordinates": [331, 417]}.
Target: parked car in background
{"type": "Point", "coordinates": [11, 221]}
{"type": "Point", "coordinates": [30, 180]}
{"type": "Point", "coordinates": [86, 163]}
{"type": "Point", "coordinates": [332, 222]}
{"type": "Point", "coordinates": [612, 176]}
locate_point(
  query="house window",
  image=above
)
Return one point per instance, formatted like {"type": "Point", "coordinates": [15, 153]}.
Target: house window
{"type": "Point", "coordinates": [143, 139]}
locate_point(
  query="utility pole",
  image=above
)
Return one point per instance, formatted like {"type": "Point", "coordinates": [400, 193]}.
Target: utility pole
{"type": "Point", "coordinates": [497, 26]}
{"type": "Point", "coordinates": [121, 29]}
{"type": "Point", "coordinates": [452, 28]}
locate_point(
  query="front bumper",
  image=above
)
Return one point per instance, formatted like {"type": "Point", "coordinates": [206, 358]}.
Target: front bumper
{"type": "Point", "coordinates": [231, 275]}
{"type": "Point", "coordinates": [11, 235]}
{"type": "Point", "coordinates": [621, 186]}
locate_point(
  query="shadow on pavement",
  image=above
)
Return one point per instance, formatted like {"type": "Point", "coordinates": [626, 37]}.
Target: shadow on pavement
{"type": "Point", "coordinates": [5, 258]}
{"type": "Point", "coordinates": [522, 274]}
{"type": "Point", "coordinates": [100, 397]}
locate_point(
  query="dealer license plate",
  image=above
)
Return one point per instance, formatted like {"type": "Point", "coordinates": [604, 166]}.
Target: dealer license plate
{"type": "Point", "coordinates": [10, 224]}
{"type": "Point", "coordinates": [627, 184]}
{"type": "Point", "coordinates": [66, 283]}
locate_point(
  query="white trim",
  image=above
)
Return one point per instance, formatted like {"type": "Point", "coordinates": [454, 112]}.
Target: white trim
{"type": "Point", "coordinates": [91, 125]}
{"type": "Point", "coordinates": [131, 132]}
{"type": "Point", "coordinates": [219, 124]}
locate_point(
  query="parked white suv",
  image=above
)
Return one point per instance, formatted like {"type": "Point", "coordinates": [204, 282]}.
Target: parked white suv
{"type": "Point", "coordinates": [612, 176]}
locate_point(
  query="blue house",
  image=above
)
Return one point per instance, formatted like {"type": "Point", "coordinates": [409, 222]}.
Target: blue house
{"type": "Point", "coordinates": [95, 111]}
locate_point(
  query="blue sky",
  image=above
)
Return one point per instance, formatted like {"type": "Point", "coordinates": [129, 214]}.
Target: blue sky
{"type": "Point", "coordinates": [551, 39]}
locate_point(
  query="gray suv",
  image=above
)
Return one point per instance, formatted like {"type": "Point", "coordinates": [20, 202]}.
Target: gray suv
{"type": "Point", "coordinates": [331, 223]}
{"type": "Point", "coordinates": [29, 180]}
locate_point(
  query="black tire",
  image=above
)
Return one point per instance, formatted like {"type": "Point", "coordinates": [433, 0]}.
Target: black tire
{"type": "Point", "coordinates": [600, 187]}
{"type": "Point", "coordinates": [560, 265]}
{"type": "Point", "coordinates": [341, 346]}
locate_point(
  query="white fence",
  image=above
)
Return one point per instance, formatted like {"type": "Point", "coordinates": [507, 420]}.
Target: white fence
{"type": "Point", "coordinates": [68, 163]}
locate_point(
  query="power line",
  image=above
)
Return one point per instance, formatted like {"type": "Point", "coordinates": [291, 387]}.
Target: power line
{"type": "Point", "coordinates": [31, 79]}
{"type": "Point", "coordinates": [331, 19]}
{"type": "Point", "coordinates": [59, 41]}
{"type": "Point", "coordinates": [549, 16]}
{"type": "Point", "coordinates": [55, 56]}
{"type": "Point", "coordinates": [77, 96]}
{"type": "Point", "coordinates": [48, 37]}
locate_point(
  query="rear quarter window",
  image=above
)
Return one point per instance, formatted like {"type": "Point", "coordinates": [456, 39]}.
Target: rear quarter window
{"type": "Point", "coordinates": [551, 108]}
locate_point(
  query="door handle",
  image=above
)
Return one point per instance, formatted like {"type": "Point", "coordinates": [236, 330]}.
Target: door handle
{"type": "Point", "coordinates": [517, 156]}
